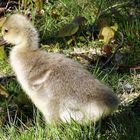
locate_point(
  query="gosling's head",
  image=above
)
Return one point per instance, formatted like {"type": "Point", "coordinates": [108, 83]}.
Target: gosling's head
{"type": "Point", "coordinates": [18, 30]}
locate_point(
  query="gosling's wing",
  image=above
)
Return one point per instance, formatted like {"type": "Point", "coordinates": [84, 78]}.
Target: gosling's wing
{"type": "Point", "coordinates": [39, 80]}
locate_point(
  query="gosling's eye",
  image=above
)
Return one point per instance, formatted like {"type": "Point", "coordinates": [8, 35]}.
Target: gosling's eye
{"type": "Point", "coordinates": [6, 30]}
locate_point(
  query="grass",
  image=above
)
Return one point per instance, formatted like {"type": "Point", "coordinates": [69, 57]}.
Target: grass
{"type": "Point", "coordinates": [123, 126]}
{"type": "Point", "coordinates": [19, 119]}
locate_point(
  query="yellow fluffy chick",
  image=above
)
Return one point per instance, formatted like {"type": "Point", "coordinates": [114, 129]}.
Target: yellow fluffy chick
{"type": "Point", "coordinates": [61, 88]}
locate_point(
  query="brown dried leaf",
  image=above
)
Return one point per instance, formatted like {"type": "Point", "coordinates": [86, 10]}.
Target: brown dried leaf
{"type": "Point", "coordinates": [107, 50]}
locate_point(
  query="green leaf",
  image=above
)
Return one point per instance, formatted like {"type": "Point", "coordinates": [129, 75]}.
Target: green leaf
{"type": "Point", "coordinates": [2, 53]}
{"type": "Point", "coordinates": [71, 28]}
{"type": "Point", "coordinates": [68, 30]}
{"type": "Point", "coordinates": [3, 91]}
{"type": "Point", "coordinates": [114, 27]}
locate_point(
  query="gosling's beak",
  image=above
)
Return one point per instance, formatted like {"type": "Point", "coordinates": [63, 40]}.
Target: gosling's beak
{"type": "Point", "coordinates": [2, 41]}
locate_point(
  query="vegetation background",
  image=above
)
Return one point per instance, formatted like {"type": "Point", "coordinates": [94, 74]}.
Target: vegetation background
{"type": "Point", "coordinates": [103, 35]}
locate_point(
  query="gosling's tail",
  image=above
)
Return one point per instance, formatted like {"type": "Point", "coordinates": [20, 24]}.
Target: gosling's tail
{"type": "Point", "coordinates": [102, 107]}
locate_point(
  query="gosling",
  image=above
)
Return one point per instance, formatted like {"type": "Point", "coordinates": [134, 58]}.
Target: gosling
{"type": "Point", "coordinates": [62, 89]}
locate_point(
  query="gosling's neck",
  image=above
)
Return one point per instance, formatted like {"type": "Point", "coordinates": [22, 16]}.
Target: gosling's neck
{"type": "Point", "coordinates": [29, 41]}
{"type": "Point", "coordinates": [22, 54]}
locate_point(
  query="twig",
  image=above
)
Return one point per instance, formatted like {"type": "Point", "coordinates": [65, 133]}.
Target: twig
{"type": "Point", "coordinates": [82, 56]}
{"type": "Point", "coordinates": [119, 47]}
{"type": "Point", "coordinates": [114, 6]}
{"type": "Point", "coordinates": [102, 12]}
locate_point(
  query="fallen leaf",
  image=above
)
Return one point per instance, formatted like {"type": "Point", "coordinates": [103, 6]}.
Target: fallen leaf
{"type": "Point", "coordinates": [3, 91]}
{"type": "Point", "coordinates": [107, 50]}
{"type": "Point", "coordinates": [68, 30]}
{"type": "Point", "coordinates": [106, 34]}
{"type": "Point", "coordinates": [71, 28]}
{"type": "Point", "coordinates": [2, 53]}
